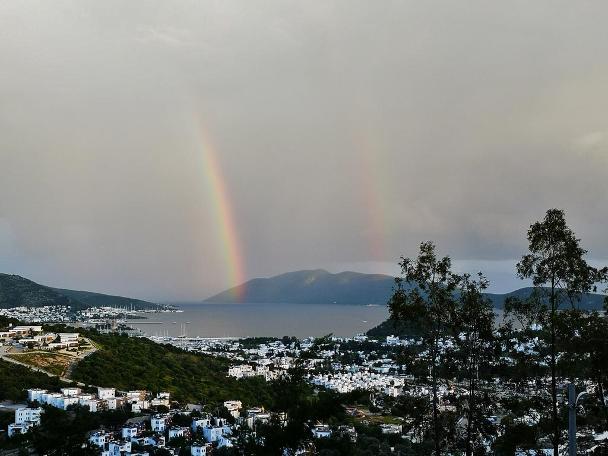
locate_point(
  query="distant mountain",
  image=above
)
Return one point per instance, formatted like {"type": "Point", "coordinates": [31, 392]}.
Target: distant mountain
{"type": "Point", "coordinates": [590, 301]}
{"type": "Point", "coordinates": [321, 287]}
{"type": "Point", "coordinates": [311, 287]}
{"type": "Point", "coordinates": [18, 291]}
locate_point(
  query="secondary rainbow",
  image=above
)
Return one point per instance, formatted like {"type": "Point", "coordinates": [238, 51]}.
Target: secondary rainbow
{"type": "Point", "coordinates": [226, 225]}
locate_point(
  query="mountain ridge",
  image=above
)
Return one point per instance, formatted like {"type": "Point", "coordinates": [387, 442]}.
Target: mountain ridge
{"type": "Point", "coordinates": [318, 286]}
{"type": "Point", "coordinates": [18, 291]}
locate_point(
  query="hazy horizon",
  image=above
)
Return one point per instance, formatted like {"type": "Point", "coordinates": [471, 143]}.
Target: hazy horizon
{"type": "Point", "coordinates": [167, 150]}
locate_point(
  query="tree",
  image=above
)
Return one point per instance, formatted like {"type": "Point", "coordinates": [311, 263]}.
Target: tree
{"type": "Point", "coordinates": [473, 323]}
{"type": "Point", "coordinates": [586, 350]}
{"type": "Point", "coordinates": [557, 267]}
{"type": "Point", "coordinates": [425, 296]}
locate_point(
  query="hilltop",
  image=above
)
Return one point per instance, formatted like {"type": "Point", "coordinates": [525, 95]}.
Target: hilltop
{"type": "Point", "coordinates": [18, 291]}
{"type": "Point", "coordinates": [322, 287]}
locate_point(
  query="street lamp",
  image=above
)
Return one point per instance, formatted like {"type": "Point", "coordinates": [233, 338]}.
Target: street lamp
{"type": "Point", "coordinates": [572, 403]}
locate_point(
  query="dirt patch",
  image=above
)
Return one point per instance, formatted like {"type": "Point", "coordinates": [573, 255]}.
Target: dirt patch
{"type": "Point", "coordinates": [53, 363]}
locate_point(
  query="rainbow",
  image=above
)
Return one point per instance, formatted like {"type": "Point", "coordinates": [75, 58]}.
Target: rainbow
{"type": "Point", "coordinates": [226, 225]}
{"type": "Point", "coordinates": [374, 190]}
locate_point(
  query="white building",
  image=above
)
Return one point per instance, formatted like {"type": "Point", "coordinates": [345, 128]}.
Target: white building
{"type": "Point", "coordinates": [392, 340]}
{"type": "Point", "coordinates": [16, 429]}
{"type": "Point", "coordinates": [321, 431]}
{"type": "Point", "coordinates": [198, 449]}
{"type": "Point", "coordinates": [161, 399]}
{"type": "Point", "coordinates": [28, 415]}
{"type": "Point", "coordinates": [200, 423]}
{"type": "Point", "coordinates": [224, 441]}
{"type": "Point", "coordinates": [129, 432]}
{"type": "Point", "coordinates": [106, 393]}
{"type": "Point", "coordinates": [242, 371]}
{"type": "Point", "coordinates": [158, 423]}
{"type": "Point", "coordinates": [212, 434]}
{"type": "Point", "coordinates": [99, 438]}
{"type": "Point", "coordinates": [391, 428]}
{"type": "Point", "coordinates": [118, 448]}
{"type": "Point", "coordinates": [64, 402]}
{"type": "Point", "coordinates": [35, 394]}
{"type": "Point", "coordinates": [177, 431]}
{"type": "Point", "coordinates": [22, 330]}
{"type": "Point", "coordinates": [112, 403]}
{"type": "Point", "coordinates": [234, 407]}
{"type": "Point", "coordinates": [68, 338]}
{"type": "Point", "coordinates": [71, 391]}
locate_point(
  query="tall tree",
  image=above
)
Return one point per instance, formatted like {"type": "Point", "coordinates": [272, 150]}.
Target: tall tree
{"type": "Point", "coordinates": [473, 324]}
{"type": "Point", "coordinates": [559, 272]}
{"type": "Point", "coordinates": [424, 296]}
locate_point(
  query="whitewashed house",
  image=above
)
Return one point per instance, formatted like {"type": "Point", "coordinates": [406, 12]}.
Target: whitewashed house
{"type": "Point", "coordinates": [106, 393]}
{"type": "Point", "coordinates": [321, 431]}
{"type": "Point", "coordinates": [200, 423]}
{"type": "Point", "coordinates": [99, 438]}
{"type": "Point", "coordinates": [71, 391]}
{"type": "Point", "coordinates": [35, 394]}
{"type": "Point", "coordinates": [28, 415]}
{"type": "Point", "coordinates": [118, 448]}
{"type": "Point", "coordinates": [198, 449]}
{"type": "Point", "coordinates": [177, 431]}
{"type": "Point", "coordinates": [16, 429]}
{"type": "Point", "coordinates": [158, 423]}
{"type": "Point", "coordinates": [234, 407]}
{"type": "Point", "coordinates": [128, 432]}
{"type": "Point", "coordinates": [213, 433]}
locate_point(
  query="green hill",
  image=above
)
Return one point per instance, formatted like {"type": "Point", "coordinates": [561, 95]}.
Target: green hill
{"type": "Point", "coordinates": [16, 291]}
{"type": "Point", "coordinates": [130, 363]}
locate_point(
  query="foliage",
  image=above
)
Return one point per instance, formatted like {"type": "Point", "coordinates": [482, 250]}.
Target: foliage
{"type": "Point", "coordinates": [557, 267]}
{"type": "Point", "coordinates": [14, 379]}
{"type": "Point", "coordinates": [472, 324]}
{"type": "Point", "coordinates": [136, 363]}
{"type": "Point", "coordinates": [17, 291]}
{"type": "Point", "coordinates": [427, 301]}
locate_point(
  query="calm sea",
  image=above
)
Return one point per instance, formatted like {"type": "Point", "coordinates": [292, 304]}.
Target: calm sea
{"type": "Point", "coordinates": [249, 320]}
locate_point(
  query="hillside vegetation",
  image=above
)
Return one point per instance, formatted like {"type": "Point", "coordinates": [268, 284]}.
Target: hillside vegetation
{"type": "Point", "coordinates": [136, 363]}
{"type": "Point", "coordinates": [16, 379]}
{"type": "Point", "coordinates": [18, 291]}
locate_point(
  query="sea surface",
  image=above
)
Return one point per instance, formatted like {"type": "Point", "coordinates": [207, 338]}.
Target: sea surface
{"type": "Point", "coordinates": [250, 320]}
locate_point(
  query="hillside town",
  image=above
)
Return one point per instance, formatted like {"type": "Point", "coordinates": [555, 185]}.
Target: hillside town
{"type": "Point", "coordinates": [92, 316]}
{"type": "Point", "coordinates": [157, 423]}
{"type": "Point", "coordinates": [375, 370]}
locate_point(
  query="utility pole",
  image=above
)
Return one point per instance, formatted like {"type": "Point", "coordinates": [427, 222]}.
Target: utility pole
{"type": "Point", "coordinates": [571, 420]}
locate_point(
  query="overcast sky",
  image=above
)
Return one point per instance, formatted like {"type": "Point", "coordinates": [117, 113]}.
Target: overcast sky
{"type": "Point", "coordinates": [347, 132]}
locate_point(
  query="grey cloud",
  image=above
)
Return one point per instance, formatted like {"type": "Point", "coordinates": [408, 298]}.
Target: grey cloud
{"type": "Point", "coordinates": [348, 131]}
